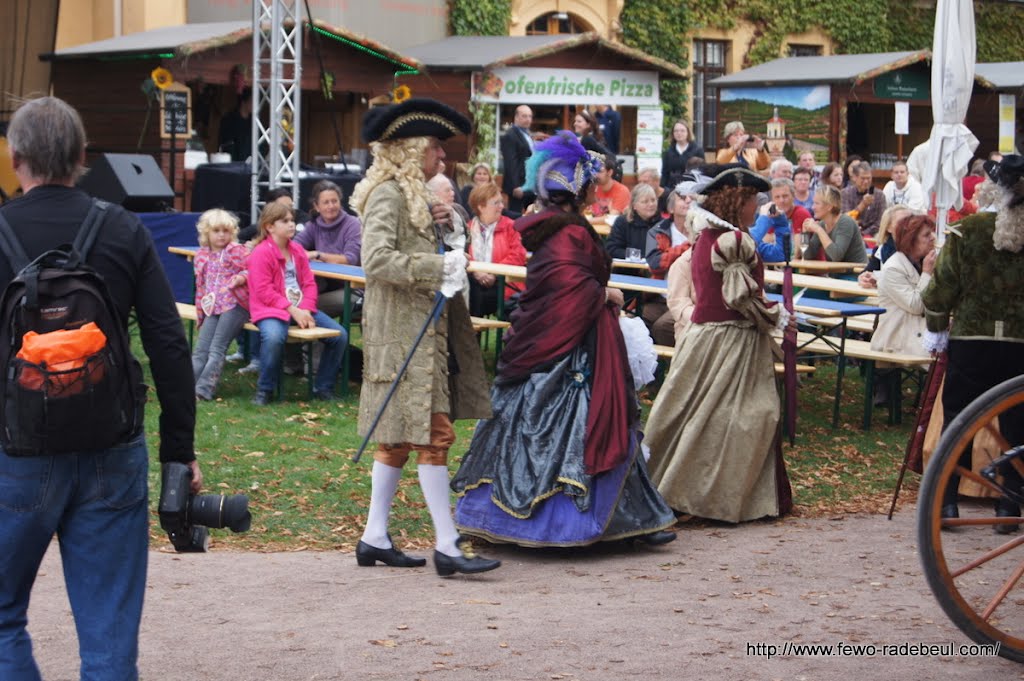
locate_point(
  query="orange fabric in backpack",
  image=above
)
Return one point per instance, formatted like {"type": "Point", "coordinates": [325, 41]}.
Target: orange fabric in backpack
{"type": "Point", "coordinates": [62, 359]}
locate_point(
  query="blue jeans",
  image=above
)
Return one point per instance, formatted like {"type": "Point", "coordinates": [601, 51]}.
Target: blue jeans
{"type": "Point", "coordinates": [215, 335]}
{"type": "Point", "coordinates": [274, 335]}
{"type": "Point", "coordinates": [96, 504]}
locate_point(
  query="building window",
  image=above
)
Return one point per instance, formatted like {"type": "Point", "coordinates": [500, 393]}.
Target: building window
{"type": "Point", "coordinates": [804, 50]}
{"type": "Point", "coordinates": [708, 64]}
{"type": "Point", "coordinates": [555, 23]}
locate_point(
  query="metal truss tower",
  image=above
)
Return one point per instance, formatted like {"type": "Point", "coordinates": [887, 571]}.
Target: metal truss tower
{"type": "Point", "coordinates": [276, 97]}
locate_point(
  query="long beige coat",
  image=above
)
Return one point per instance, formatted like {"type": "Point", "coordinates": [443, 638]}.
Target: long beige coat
{"type": "Point", "coordinates": [403, 271]}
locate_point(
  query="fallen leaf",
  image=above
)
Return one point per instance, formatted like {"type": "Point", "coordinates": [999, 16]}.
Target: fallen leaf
{"type": "Point", "coordinates": [385, 642]}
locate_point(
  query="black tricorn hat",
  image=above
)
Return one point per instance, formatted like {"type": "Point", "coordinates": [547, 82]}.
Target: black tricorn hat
{"type": "Point", "coordinates": [419, 117]}
{"type": "Point", "coordinates": [733, 175]}
{"type": "Point", "coordinates": [1006, 172]}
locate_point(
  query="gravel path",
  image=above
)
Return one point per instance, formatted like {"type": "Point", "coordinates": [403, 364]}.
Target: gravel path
{"type": "Point", "coordinates": [684, 611]}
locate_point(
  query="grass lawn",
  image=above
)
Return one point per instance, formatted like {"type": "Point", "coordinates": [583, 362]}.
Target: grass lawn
{"type": "Point", "coordinates": [293, 459]}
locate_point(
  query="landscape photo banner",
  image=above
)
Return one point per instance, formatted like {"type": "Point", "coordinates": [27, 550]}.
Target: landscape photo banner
{"type": "Point", "coordinates": [528, 85]}
{"type": "Point", "coordinates": [792, 119]}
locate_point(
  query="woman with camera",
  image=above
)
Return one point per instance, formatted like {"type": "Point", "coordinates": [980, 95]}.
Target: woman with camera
{"type": "Point", "coordinates": [750, 151]}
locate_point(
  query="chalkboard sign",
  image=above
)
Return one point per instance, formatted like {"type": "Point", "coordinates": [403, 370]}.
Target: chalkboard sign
{"type": "Point", "coordinates": [175, 111]}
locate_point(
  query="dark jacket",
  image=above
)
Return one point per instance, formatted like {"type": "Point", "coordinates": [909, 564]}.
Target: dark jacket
{"type": "Point", "coordinates": [611, 126]}
{"type": "Point", "coordinates": [629, 234]}
{"type": "Point", "coordinates": [124, 256]}
{"type": "Point", "coordinates": [673, 164]}
{"type": "Point", "coordinates": [514, 152]}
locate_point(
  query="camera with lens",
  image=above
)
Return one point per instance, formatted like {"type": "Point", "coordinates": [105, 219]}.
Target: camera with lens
{"type": "Point", "coordinates": [185, 517]}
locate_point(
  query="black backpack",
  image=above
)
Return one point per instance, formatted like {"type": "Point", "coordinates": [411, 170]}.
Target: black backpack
{"type": "Point", "coordinates": [92, 402]}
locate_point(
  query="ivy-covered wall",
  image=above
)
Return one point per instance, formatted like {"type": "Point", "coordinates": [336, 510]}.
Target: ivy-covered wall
{"type": "Point", "coordinates": [999, 29]}
{"type": "Point", "coordinates": [655, 27]}
{"type": "Point", "coordinates": [659, 27]}
{"type": "Point", "coordinates": [481, 17]}
{"type": "Point", "coordinates": [860, 26]}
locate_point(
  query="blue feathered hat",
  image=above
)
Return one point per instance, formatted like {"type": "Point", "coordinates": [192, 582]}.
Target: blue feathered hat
{"type": "Point", "coordinates": [560, 163]}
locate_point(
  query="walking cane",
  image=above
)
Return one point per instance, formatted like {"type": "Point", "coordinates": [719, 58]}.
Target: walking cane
{"type": "Point", "coordinates": [434, 314]}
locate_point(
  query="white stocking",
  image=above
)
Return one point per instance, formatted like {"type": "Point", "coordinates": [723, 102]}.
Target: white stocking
{"type": "Point", "coordinates": [434, 483]}
{"type": "Point", "coordinates": [384, 479]}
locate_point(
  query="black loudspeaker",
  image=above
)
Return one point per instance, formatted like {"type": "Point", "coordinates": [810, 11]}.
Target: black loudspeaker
{"type": "Point", "coordinates": [131, 180]}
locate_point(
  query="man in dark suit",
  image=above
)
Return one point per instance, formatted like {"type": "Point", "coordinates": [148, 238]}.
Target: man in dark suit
{"type": "Point", "coordinates": [610, 121]}
{"type": "Point", "coordinates": [516, 147]}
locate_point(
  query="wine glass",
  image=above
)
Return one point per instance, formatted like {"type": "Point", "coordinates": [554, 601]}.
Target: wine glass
{"type": "Point", "coordinates": [805, 241]}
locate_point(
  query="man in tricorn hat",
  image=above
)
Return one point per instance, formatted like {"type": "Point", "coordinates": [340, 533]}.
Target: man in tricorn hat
{"type": "Point", "coordinates": [406, 265]}
{"type": "Point", "coordinates": [978, 280]}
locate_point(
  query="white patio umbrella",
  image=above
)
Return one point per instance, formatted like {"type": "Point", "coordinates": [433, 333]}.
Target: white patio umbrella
{"type": "Point", "coordinates": [951, 145]}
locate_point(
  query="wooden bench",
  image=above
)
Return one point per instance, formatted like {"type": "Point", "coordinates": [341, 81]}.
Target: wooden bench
{"type": "Point", "coordinates": [808, 344]}
{"type": "Point", "coordinates": [668, 352]}
{"type": "Point", "coordinates": [486, 324]}
{"type": "Point", "coordinates": [865, 324]}
{"type": "Point", "coordinates": [295, 335]}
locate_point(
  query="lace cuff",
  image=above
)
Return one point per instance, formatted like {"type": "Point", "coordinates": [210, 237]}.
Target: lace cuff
{"type": "Point", "coordinates": [784, 316]}
{"type": "Point", "coordinates": [935, 341]}
{"type": "Point", "coordinates": [454, 273]}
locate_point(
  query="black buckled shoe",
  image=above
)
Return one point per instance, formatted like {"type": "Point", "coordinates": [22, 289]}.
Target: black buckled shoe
{"type": "Point", "coordinates": [656, 538]}
{"type": "Point", "coordinates": [468, 563]}
{"type": "Point", "coordinates": [1007, 509]}
{"type": "Point", "coordinates": [367, 556]}
{"type": "Point", "coordinates": [949, 511]}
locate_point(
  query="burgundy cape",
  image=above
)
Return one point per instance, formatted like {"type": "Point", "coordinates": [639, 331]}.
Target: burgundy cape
{"type": "Point", "coordinates": [564, 300]}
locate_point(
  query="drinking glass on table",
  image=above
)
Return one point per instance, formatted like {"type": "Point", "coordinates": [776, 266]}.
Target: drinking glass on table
{"type": "Point", "coordinates": [805, 241]}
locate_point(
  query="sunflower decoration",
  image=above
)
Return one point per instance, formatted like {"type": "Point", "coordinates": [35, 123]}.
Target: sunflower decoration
{"type": "Point", "coordinates": [400, 94]}
{"type": "Point", "coordinates": [288, 127]}
{"type": "Point", "coordinates": [162, 78]}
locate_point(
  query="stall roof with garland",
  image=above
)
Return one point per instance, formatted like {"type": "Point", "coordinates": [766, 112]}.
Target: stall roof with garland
{"type": "Point", "coordinates": [839, 68]}
{"type": "Point", "coordinates": [460, 53]}
{"type": "Point", "coordinates": [1006, 75]}
{"type": "Point", "coordinates": [187, 39]}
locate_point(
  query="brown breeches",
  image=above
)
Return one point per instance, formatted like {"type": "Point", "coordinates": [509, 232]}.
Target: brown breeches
{"type": "Point", "coordinates": [442, 436]}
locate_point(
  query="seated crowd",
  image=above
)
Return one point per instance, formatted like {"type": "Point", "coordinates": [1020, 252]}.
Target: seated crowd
{"type": "Point", "coordinates": [835, 214]}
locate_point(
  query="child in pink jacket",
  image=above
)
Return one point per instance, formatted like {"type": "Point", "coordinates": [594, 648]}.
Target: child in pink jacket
{"type": "Point", "coordinates": [282, 292]}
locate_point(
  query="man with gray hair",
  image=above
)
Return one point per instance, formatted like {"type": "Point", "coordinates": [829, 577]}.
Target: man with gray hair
{"type": "Point", "coordinates": [94, 501]}
{"type": "Point", "coordinates": [862, 202]}
{"type": "Point", "coordinates": [780, 169]}
{"type": "Point", "coordinates": [780, 219]}
{"type": "Point", "coordinates": [808, 161]}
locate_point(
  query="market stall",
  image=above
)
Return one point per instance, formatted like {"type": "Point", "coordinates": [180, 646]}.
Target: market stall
{"type": "Point", "coordinates": [874, 105]}
{"type": "Point", "coordinates": [210, 64]}
{"type": "Point", "coordinates": [553, 74]}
